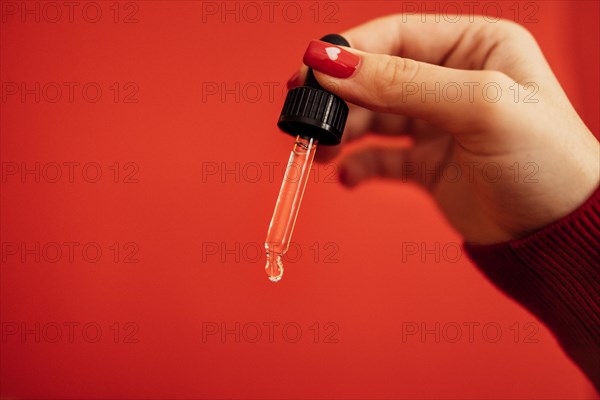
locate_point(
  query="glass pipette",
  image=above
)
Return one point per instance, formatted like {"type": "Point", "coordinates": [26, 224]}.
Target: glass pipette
{"type": "Point", "coordinates": [311, 114]}
{"type": "Point", "coordinates": [288, 204]}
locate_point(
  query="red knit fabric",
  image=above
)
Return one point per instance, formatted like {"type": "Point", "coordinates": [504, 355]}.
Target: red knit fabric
{"type": "Point", "coordinates": [555, 273]}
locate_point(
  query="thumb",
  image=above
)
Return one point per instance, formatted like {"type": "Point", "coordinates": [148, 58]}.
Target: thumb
{"type": "Point", "coordinates": [453, 99]}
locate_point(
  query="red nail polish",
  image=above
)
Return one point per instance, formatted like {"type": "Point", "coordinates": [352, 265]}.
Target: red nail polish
{"type": "Point", "coordinates": [343, 176]}
{"type": "Point", "coordinates": [294, 81]}
{"type": "Point", "coordinates": [330, 59]}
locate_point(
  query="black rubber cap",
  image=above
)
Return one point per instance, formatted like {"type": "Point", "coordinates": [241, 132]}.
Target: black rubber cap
{"type": "Point", "coordinates": [312, 111]}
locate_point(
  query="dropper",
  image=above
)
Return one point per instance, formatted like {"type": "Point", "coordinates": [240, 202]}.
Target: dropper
{"type": "Point", "coordinates": [313, 115]}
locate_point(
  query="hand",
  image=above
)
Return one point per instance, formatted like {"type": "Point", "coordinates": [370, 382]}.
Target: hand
{"type": "Point", "coordinates": [511, 152]}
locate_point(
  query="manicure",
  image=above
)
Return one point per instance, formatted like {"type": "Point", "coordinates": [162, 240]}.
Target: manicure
{"type": "Point", "coordinates": [330, 59]}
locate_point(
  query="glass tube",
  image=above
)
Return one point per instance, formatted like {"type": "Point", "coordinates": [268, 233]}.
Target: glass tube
{"type": "Point", "coordinates": [288, 204]}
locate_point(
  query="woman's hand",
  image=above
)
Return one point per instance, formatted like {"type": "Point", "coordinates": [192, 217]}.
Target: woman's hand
{"type": "Point", "coordinates": [483, 109]}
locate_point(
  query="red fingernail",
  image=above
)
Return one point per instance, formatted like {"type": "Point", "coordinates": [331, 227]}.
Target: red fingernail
{"type": "Point", "coordinates": [330, 59]}
{"type": "Point", "coordinates": [294, 81]}
{"type": "Point", "coordinates": [345, 178]}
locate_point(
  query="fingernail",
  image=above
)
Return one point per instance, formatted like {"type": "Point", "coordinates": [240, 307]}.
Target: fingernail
{"type": "Point", "coordinates": [294, 81]}
{"type": "Point", "coordinates": [344, 177]}
{"type": "Point", "coordinates": [330, 59]}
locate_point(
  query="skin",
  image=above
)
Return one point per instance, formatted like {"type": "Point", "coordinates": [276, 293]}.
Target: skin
{"type": "Point", "coordinates": [558, 157]}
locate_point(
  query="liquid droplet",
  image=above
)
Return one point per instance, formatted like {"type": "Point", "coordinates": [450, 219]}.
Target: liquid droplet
{"type": "Point", "coordinates": [274, 267]}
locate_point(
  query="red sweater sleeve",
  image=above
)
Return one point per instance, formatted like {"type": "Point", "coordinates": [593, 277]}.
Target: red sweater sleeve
{"type": "Point", "coordinates": [555, 274]}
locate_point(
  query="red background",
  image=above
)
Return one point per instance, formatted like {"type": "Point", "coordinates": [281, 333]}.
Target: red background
{"type": "Point", "coordinates": [177, 213]}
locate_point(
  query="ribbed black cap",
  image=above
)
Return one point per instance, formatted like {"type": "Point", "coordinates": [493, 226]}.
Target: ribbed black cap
{"type": "Point", "coordinates": [315, 113]}
{"type": "Point", "coordinates": [312, 111]}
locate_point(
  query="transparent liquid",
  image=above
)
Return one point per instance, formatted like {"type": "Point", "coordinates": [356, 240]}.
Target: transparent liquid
{"type": "Point", "coordinates": [288, 204]}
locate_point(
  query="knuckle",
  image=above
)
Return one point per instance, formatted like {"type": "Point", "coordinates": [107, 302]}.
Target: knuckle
{"type": "Point", "coordinates": [494, 103]}
{"type": "Point", "coordinates": [514, 31]}
{"type": "Point", "coordinates": [495, 77]}
{"type": "Point", "coordinates": [391, 74]}
{"type": "Point", "coordinates": [514, 28]}
{"type": "Point", "coordinates": [504, 30]}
